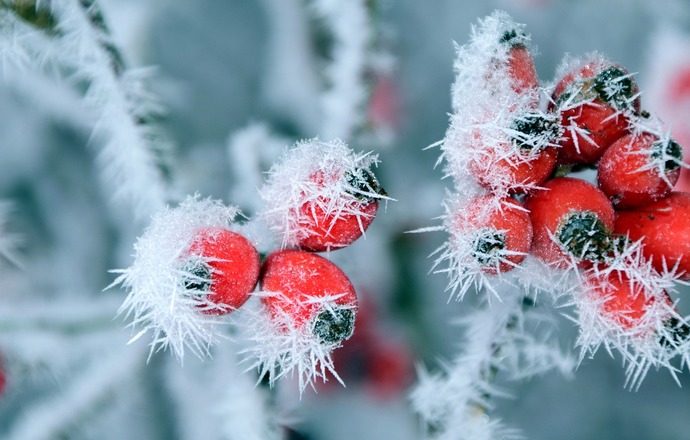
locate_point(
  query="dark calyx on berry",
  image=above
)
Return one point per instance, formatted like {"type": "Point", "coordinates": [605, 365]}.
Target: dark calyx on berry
{"type": "Point", "coordinates": [584, 236]}
{"type": "Point", "coordinates": [488, 247]}
{"type": "Point", "coordinates": [670, 152]}
{"type": "Point", "coordinates": [513, 38]}
{"type": "Point", "coordinates": [615, 87]}
{"type": "Point", "coordinates": [197, 276]}
{"type": "Point", "coordinates": [334, 325]}
{"type": "Point", "coordinates": [679, 333]}
{"type": "Point", "coordinates": [533, 132]}
{"type": "Point", "coordinates": [363, 185]}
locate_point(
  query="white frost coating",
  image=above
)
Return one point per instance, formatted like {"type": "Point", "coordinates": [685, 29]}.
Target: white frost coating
{"type": "Point", "coordinates": [158, 299]}
{"type": "Point", "coordinates": [281, 347]}
{"type": "Point", "coordinates": [343, 100]}
{"type": "Point", "coordinates": [314, 171]}
{"type": "Point", "coordinates": [54, 416]}
{"type": "Point", "coordinates": [127, 156]}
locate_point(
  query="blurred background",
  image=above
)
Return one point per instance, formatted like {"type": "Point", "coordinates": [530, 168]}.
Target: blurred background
{"type": "Point", "coordinates": [238, 81]}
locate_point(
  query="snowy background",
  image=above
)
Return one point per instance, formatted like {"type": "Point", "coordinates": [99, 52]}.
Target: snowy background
{"type": "Point", "coordinates": [226, 71]}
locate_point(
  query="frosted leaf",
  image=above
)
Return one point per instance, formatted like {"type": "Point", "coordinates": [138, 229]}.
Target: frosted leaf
{"type": "Point", "coordinates": [327, 175]}
{"type": "Point", "coordinates": [164, 297]}
{"type": "Point", "coordinates": [279, 345]}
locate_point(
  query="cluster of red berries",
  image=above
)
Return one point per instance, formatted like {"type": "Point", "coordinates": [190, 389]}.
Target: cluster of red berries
{"type": "Point", "coordinates": [300, 289]}
{"type": "Point", "coordinates": [592, 120]}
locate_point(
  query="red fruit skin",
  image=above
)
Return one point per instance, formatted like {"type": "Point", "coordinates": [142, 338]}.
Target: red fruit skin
{"type": "Point", "coordinates": [597, 117]}
{"type": "Point", "coordinates": [520, 173]}
{"type": "Point", "coordinates": [665, 228]}
{"type": "Point", "coordinates": [235, 263]}
{"type": "Point", "coordinates": [298, 275]}
{"type": "Point", "coordinates": [550, 206]}
{"type": "Point", "coordinates": [521, 69]}
{"type": "Point", "coordinates": [512, 219]}
{"type": "Point", "coordinates": [619, 174]}
{"type": "Point", "coordinates": [3, 380]}
{"type": "Point", "coordinates": [335, 230]}
{"type": "Point", "coordinates": [625, 304]}
{"type": "Point", "coordinates": [603, 126]}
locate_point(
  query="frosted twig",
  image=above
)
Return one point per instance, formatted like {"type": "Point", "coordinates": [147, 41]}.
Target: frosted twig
{"type": "Point", "coordinates": [79, 41]}
{"type": "Point", "coordinates": [56, 415]}
{"type": "Point", "coordinates": [346, 91]}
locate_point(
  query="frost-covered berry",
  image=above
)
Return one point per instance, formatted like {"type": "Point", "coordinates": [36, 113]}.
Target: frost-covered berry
{"type": "Point", "coordinates": [312, 292]}
{"type": "Point", "coordinates": [324, 229]}
{"type": "Point", "coordinates": [519, 61]}
{"type": "Point", "coordinates": [625, 302]}
{"type": "Point", "coordinates": [321, 196]}
{"type": "Point", "coordinates": [664, 227]}
{"type": "Point", "coordinates": [499, 232]}
{"type": "Point", "coordinates": [188, 268]}
{"type": "Point", "coordinates": [487, 235]}
{"type": "Point", "coordinates": [572, 221]}
{"type": "Point", "coordinates": [222, 267]}
{"type": "Point", "coordinates": [309, 308]}
{"type": "Point", "coordinates": [638, 169]}
{"type": "Point", "coordinates": [595, 98]}
{"type": "Point", "coordinates": [522, 159]}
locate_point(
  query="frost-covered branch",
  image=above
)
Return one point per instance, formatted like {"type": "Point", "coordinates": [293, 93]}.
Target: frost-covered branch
{"type": "Point", "coordinates": [498, 339]}
{"type": "Point", "coordinates": [346, 91]}
{"type": "Point", "coordinates": [57, 415]}
{"type": "Point", "coordinates": [78, 42]}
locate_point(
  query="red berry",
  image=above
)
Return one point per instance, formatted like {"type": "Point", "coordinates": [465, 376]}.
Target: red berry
{"type": "Point", "coordinates": [571, 219]}
{"type": "Point", "coordinates": [523, 161]}
{"type": "Point", "coordinates": [224, 264]}
{"type": "Point", "coordinates": [3, 379]}
{"type": "Point", "coordinates": [595, 100]}
{"type": "Point", "coordinates": [665, 228]}
{"type": "Point", "coordinates": [522, 70]}
{"type": "Point", "coordinates": [325, 228]}
{"type": "Point", "coordinates": [520, 62]}
{"type": "Point", "coordinates": [500, 233]}
{"type": "Point", "coordinates": [639, 169]}
{"type": "Point", "coordinates": [626, 303]}
{"type": "Point", "coordinates": [312, 292]}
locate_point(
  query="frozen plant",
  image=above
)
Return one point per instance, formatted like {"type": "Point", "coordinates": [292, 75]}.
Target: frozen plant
{"type": "Point", "coordinates": [517, 223]}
